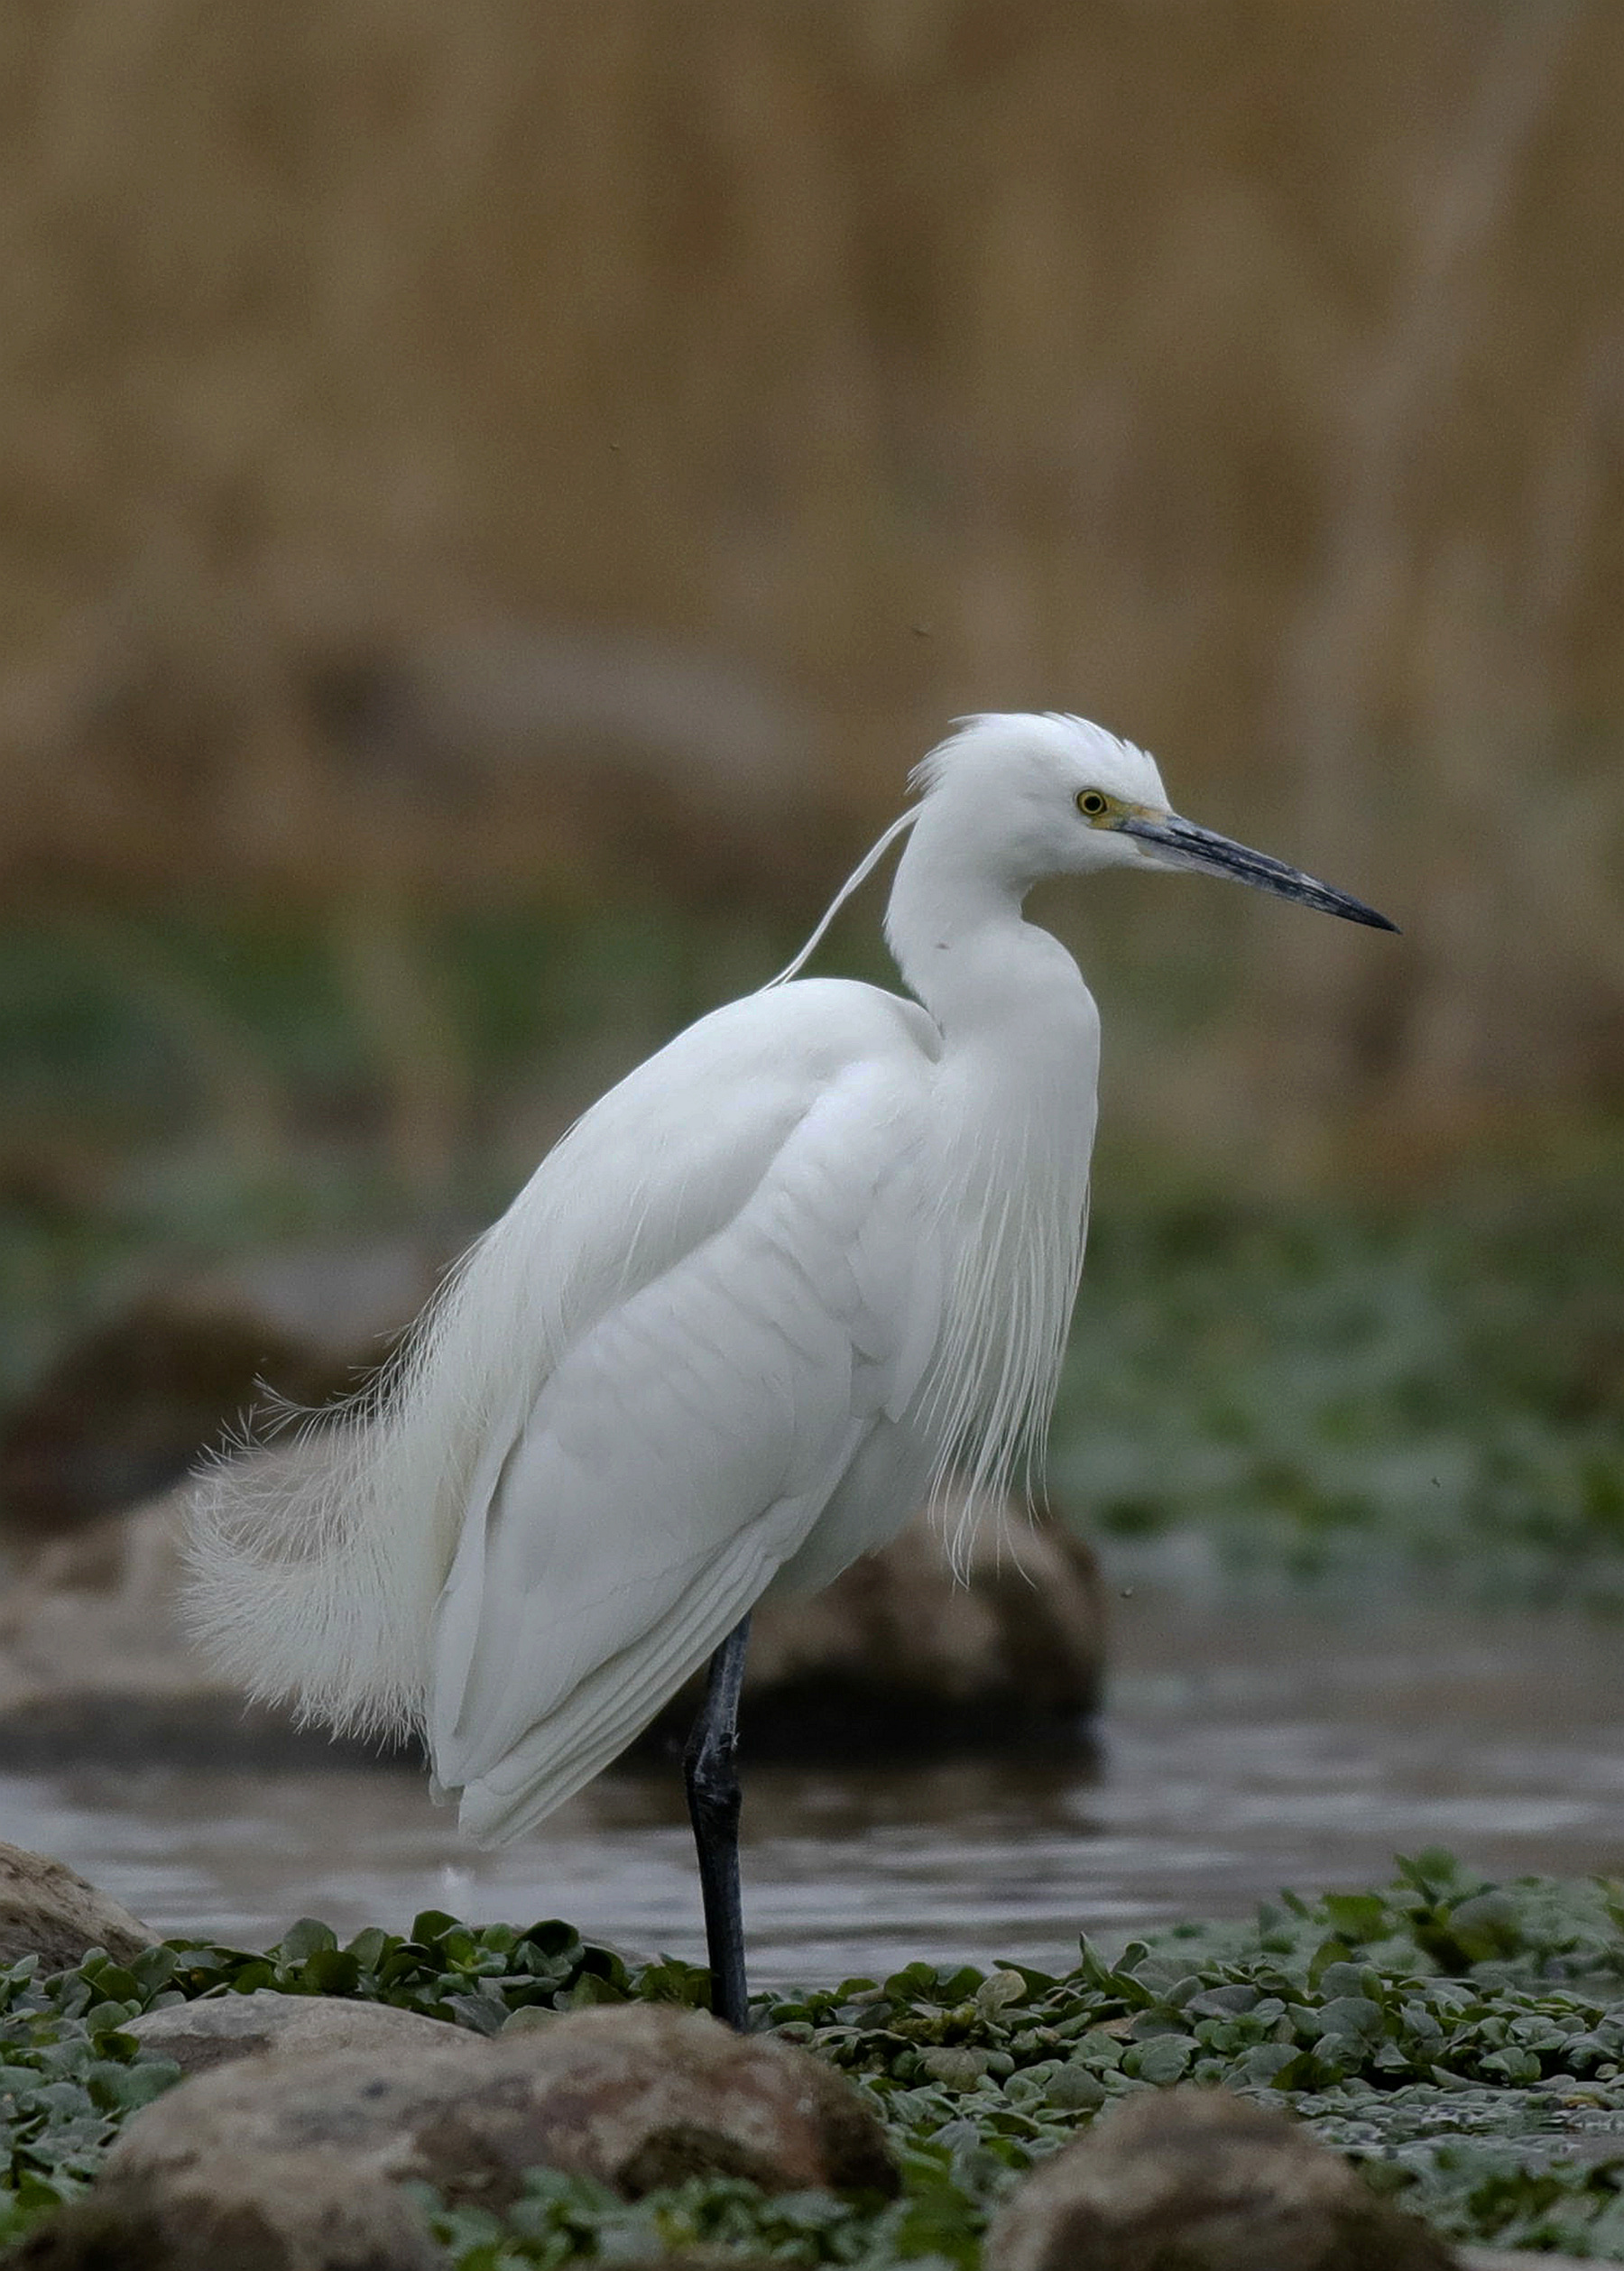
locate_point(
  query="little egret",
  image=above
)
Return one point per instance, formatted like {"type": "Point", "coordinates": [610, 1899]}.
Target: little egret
{"type": "Point", "coordinates": [818, 1249]}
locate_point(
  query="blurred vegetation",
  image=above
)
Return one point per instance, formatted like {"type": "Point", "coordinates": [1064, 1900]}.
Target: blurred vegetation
{"type": "Point", "coordinates": [517, 448]}
{"type": "Point", "coordinates": [1342, 1392]}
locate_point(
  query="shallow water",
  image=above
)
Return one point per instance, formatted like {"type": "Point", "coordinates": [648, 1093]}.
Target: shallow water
{"type": "Point", "coordinates": [1243, 1750]}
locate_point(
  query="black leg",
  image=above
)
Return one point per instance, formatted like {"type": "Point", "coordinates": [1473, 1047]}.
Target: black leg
{"type": "Point", "coordinates": [712, 1777]}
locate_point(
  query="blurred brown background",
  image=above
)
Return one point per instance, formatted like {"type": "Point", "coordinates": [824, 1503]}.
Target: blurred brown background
{"type": "Point", "coordinates": [577, 455]}
{"type": "Point", "coordinates": [497, 493]}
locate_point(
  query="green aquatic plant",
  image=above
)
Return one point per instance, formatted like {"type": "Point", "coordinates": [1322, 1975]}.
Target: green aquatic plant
{"type": "Point", "coordinates": [1462, 2041]}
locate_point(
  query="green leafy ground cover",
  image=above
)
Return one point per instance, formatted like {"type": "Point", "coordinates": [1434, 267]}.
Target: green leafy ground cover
{"type": "Point", "coordinates": [1346, 1394]}
{"type": "Point", "coordinates": [1463, 2043]}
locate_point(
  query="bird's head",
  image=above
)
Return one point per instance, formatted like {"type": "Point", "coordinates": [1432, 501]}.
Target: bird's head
{"type": "Point", "coordinates": [1062, 797]}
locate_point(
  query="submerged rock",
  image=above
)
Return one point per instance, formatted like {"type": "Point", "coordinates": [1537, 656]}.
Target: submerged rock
{"type": "Point", "coordinates": [1195, 2179]}
{"type": "Point", "coordinates": [49, 1911]}
{"type": "Point", "coordinates": [902, 1657]}
{"type": "Point", "coordinates": [898, 1657]}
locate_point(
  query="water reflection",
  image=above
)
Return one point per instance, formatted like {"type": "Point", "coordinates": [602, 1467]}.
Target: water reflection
{"type": "Point", "coordinates": [1243, 1751]}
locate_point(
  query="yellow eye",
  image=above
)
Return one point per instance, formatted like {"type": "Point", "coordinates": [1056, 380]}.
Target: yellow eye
{"type": "Point", "coordinates": [1091, 803]}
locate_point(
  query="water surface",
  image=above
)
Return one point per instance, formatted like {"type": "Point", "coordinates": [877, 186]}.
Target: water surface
{"type": "Point", "coordinates": [1242, 1750]}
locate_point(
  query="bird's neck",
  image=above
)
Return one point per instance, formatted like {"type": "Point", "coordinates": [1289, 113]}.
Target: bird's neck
{"type": "Point", "coordinates": [956, 927]}
{"type": "Point", "coordinates": [1010, 1134]}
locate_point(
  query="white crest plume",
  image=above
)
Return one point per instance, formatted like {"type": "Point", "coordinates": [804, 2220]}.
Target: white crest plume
{"type": "Point", "coordinates": [853, 881]}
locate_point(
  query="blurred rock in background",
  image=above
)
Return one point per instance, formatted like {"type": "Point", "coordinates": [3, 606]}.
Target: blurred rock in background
{"type": "Point", "coordinates": [898, 1658]}
{"type": "Point", "coordinates": [132, 1406]}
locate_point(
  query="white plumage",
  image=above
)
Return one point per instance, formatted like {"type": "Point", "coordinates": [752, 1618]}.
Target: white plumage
{"type": "Point", "coordinates": [817, 1249]}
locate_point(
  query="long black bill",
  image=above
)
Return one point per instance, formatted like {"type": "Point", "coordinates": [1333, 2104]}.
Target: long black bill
{"type": "Point", "coordinates": [1216, 855]}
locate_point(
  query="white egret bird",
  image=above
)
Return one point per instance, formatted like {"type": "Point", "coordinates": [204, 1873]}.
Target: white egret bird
{"type": "Point", "coordinates": [818, 1248]}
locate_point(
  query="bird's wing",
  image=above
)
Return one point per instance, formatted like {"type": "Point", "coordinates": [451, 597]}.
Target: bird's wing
{"type": "Point", "coordinates": [673, 1153]}
{"type": "Point", "coordinates": [681, 1448]}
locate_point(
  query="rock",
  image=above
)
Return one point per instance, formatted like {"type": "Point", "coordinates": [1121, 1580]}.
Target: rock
{"type": "Point", "coordinates": [95, 1662]}
{"type": "Point", "coordinates": [203, 2035]}
{"type": "Point", "coordinates": [48, 1911]}
{"type": "Point", "coordinates": [293, 2211]}
{"type": "Point", "coordinates": [127, 1410]}
{"type": "Point", "coordinates": [897, 1654]}
{"type": "Point", "coordinates": [635, 2096]}
{"type": "Point", "coordinates": [93, 1656]}
{"type": "Point", "coordinates": [90, 1642]}
{"type": "Point", "coordinates": [1203, 2181]}
{"type": "Point", "coordinates": [646, 2094]}
{"type": "Point", "coordinates": [900, 1655]}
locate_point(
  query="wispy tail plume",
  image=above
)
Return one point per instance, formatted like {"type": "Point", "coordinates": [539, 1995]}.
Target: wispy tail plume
{"type": "Point", "coordinates": [317, 1552]}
